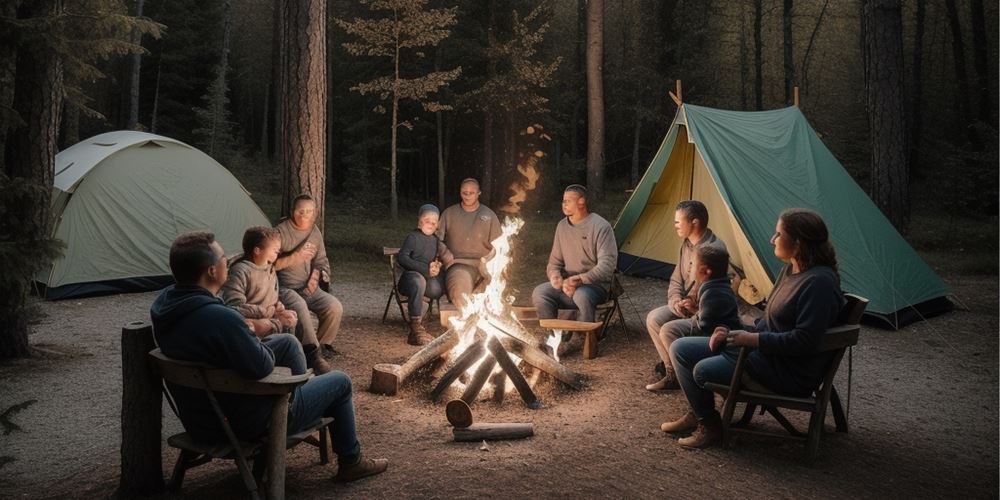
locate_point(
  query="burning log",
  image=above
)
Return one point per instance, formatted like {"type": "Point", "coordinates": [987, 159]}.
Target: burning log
{"type": "Point", "coordinates": [494, 431]}
{"type": "Point", "coordinates": [537, 358]}
{"type": "Point", "coordinates": [464, 361]}
{"type": "Point", "coordinates": [387, 378]}
{"type": "Point", "coordinates": [479, 379]}
{"type": "Point", "coordinates": [527, 395]}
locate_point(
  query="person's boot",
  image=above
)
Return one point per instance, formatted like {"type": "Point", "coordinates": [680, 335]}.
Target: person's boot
{"type": "Point", "coordinates": [364, 467]}
{"type": "Point", "coordinates": [418, 334]}
{"type": "Point", "coordinates": [315, 359]}
{"type": "Point", "coordinates": [667, 383]}
{"type": "Point", "coordinates": [685, 423]}
{"type": "Point", "coordinates": [708, 432]}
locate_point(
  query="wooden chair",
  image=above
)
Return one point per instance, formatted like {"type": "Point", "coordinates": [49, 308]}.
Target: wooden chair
{"type": "Point", "coordinates": [279, 384]}
{"type": "Point", "coordinates": [743, 389]}
{"type": "Point", "coordinates": [395, 272]}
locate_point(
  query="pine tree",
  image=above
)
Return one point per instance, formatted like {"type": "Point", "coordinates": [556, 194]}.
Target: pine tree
{"type": "Point", "coordinates": [215, 134]}
{"type": "Point", "coordinates": [401, 25]}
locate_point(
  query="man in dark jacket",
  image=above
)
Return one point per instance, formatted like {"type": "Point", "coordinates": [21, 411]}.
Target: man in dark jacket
{"type": "Point", "coordinates": [190, 323]}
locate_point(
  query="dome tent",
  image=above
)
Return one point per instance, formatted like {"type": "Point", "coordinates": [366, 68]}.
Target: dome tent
{"type": "Point", "coordinates": [120, 199]}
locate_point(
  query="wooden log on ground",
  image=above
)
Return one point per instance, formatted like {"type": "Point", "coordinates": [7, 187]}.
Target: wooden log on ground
{"type": "Point", "coordinates": [464, 361]}
{"type": "Point", "coordinates": [387, 378]}
{"type": "Point", "coordinates": [459, 413]}
{"type": "Point", "coordinates": [516, 377]}
{"type": "Point", "coordinates": [142, 418]}
{"type": "Point", "coordinates": [493, 431]}
{"type": "Point", "coordinates": [479, 379]}
{"type": "Point", "coordinates": [537, 358]}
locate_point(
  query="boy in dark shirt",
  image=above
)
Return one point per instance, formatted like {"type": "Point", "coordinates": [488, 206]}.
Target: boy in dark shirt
{"type": "Point", "coordinates": [716, 306]}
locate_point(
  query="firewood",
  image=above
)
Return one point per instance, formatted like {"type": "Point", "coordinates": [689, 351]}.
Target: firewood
{"type": "Point", "coordinates": [479, 379]}
{"type": "Point", "coordinates": [387, 378]}
{"type": "Point", "coordinates": [537, 358]}
{"type": "Point", "coordinates": [458, 412]}
{"type": "Point", "coordinates": [464, 361]}
{"type": "Point", "coordinates": [493, 431]}
{"type": "Point", "coordinates": [527, 395]}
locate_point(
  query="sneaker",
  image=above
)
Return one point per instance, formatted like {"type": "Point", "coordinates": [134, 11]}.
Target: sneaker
{"type": "Point", "coordinates": [667, 383]}
{"type": "Point", "coordinates": [708, 432]}
{"type": "Point", "coordinates": [685, 423]}
{"type": "Point", "coordinates": [364, 467]}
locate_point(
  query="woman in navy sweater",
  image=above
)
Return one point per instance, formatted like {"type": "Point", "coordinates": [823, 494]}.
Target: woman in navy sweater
{"type": "Point", "coordinates": [803, 304]}
{"type": "Point", "coordinates": [420, 257]}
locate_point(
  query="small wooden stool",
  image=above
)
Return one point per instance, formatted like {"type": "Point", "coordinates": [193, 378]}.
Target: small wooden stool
{"type": "Point", "coordinates": [588, 329]}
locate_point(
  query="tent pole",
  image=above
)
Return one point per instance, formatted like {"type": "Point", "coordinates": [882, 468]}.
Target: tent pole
{"type": "Point", "coordinates": [678, 96]}
{"type": "Point", "coordinates": [795, 96]}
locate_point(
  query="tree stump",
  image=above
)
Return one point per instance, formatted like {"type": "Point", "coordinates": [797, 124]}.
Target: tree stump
{"type": "Point", "coordinates": [142, 418]}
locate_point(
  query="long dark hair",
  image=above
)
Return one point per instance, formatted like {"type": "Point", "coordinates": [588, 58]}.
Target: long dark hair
{"type": "Point", "coordinates": [807, 228]}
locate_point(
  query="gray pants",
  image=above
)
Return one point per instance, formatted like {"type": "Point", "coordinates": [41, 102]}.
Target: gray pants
{"type": "Point", "coordinates": [328, 309]}
{"type": "Point", "coordinates": [664, 327]}
{"type": "Point", "coordinates": [460, 280]}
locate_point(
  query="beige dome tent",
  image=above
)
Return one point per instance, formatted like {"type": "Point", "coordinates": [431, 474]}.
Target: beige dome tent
{"type": "Point", "coordinates": [120, 198]}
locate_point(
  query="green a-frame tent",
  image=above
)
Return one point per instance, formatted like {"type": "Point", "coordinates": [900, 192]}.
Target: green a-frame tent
{"type": "Point", "coordinates": [749, 166]}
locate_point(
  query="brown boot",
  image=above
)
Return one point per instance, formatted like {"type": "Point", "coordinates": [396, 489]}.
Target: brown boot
{"type": "Point", "coordinates": [667, 383]}
{"type": "Point", "coordinates": [364, 467]}
{"type": "Point", "coordinates": [315, 360]}
{"type": "Point", "coordinates": [685, 423]}
{"type": "Point", "coordinates": [709, 432]}
{"type": "Point", "coordinates": [418, 334]}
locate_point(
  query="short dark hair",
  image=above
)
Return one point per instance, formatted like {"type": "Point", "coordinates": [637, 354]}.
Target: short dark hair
{"type": "Point", "coordinates": [190, 255]}
{"type": "Point", "coordinates": [576, 188]}
{"type": "Point", "coordinates": [716, 258]}
{"type": "Point", "coordinates": [302, 197]}
{"type": "Point", "coordinates": [694, 209]}
{"type": "Point", "coordinates": [255, 237]}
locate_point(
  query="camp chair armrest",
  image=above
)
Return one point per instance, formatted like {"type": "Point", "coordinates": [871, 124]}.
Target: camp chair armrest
{"type": "Point", "coordinates": [202, 376]}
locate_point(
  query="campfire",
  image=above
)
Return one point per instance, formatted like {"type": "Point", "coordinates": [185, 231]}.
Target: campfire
{"type": "Point", "coordinates": [486, 345]}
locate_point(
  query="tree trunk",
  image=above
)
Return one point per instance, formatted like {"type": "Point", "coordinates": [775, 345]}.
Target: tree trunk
{"type": "Point", "coordinates": [758, 57]}
{"type": "Point", "coordinates": [636, 139]}
{"type": "Point", "coordinates": [8, 72]}
{"type": "Point", "coordinates": [486, 182]}
{"type": "Point", "coordinates": [917, 89]}
{"type": "Point", "coordinates": [264, 124]}
{"type": "Point", "coordinates": [961, 76]}
{"type": "Point", "coordinates": [30, 154]}
{"type": "Point", "coordinates": [595, 100]}
{"type": "Point", "coordinates": [141, 414]}
{"type": "Point", "coordinates": [804, 79]}
{"type": "Point", "coordinates": [394, 197]}
{"type": "Point", "coordinates": [882, 31]}
{"type": "Point", "coordinates": [156, 96]}
{"type": "Point", "coordinates": [439, 133]}
{"type": "Point", "coordinates": [980, 51]}
{"type": "Point", "coordinates": [786, 22]}
{"type": "Point", "coordinates": [277, 83]}
{"type": "Point", "coordinates": [133, 93]}
{"type": "Point", "coordinates": [70, 125]}
{"type": "Point", "coordinates": [303, 109]}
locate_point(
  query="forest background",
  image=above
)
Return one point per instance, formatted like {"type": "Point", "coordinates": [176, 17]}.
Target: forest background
{"type": "Point", "coordinates": [471, 77]}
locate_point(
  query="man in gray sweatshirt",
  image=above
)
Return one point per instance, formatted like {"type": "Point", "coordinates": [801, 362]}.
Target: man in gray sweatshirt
{"type": "Point", "coordinates": [582, 262]}
{"type": "Point", "coordinates": [467, 229]}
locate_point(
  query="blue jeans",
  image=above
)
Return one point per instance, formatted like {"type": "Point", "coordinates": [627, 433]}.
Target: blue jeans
{"type": "Point", "coordinates": [695, 365]}
{"type": "Point", "coordinates": [585, 299]}
{"type": "Point", "coordinates": [328, 395]}
{"type": "Point", "coordinates": [415, 286]}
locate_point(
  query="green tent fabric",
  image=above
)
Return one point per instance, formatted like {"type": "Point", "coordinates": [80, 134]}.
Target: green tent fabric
{"type": "Point", "coordinates": [122, 197]}
{"type": "Point", "coordinates": [756, 164]}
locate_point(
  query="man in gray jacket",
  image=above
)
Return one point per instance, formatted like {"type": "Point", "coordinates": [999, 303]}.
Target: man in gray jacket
{"type": "Point", "coordinates": [467, 230]}
{"type": "Point", "coordinates": [582, 261]}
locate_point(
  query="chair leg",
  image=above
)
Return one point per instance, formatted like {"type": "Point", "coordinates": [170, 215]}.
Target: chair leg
{"type": "Point", "coordinates": [727, 416]}
{"type": "Point", "coordinates": [183, 464]}
{"type": "Point", "coordinates": [815, 431]}
{"type": "Point", "coordinates": [747, 416]}
{"type": "Point", "coordinates": [783, 421]}
{"type": "Point", "coordinates": [324, 454]}
{"type": "Point", "coordinates": [385, 313]}
{"type": "Point", "coordinates": [248, 479]}
{"type": "Point", "coordinates": [837, 410]}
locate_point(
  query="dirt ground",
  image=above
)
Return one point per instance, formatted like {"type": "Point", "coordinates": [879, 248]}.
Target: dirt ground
{"type": "Point", "coordinates": [923, 416]}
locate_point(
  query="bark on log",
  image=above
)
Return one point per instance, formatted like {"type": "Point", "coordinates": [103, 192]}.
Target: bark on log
{"type": "Point", "coordinates": [387, 378]}
{"type": "Point", "coordinates": [537, 358]}
{"type": "Point", "coordinates": [479, 379]}
{"type": "Point", "coordinates": [527, 395]}
{"type": "Point", "coordinates": [494, 431]}
{"type": "Point", "coordinates": [464, 361]}
{"type": "Point", "coordinates": [141, 455]}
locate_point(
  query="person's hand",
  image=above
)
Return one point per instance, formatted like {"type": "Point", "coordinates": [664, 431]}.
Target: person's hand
{"type": "Point", "coordinates": [259, 327]}
{"type": "Point", "coordinates": [679, 310]}
{"type": "Point", "coordinates": [688, 306]}
{"type": "Point", "coordinates": [270, 310]}
{"type": "Point", "coordinates": [279, 307]}
{"type": "Point", "coordinates": [288, 318]}
{"type": "Point", "coordinates": [556, 282]}
{"type": "Point", "coordinates": [250, 325]}
{"type": "Point", "coordinates": [435, 268]}
{"type": "Point", "coordinates": [742, 338]}
{"type": "Point", "coordinates": [570, 285]}
{"type": "Point", "coordinates": [313, 283]}
{"type": "Point", "coordinates": [718, 339]}
{"type": "Point", "coordinates": [306, 253]}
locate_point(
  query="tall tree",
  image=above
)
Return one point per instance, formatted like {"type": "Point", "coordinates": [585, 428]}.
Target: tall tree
{"type": "Point", "coordinates": [916, 81]}
{"type": "Point", "coordinates": [882, 34]}
{"type": "Point", "coordinates": [400, 25]}
{"type": "Point", "coordinates": [303, 102]}
{"type": "Point", "coordinates": [595, 99]}
{"type": "Point", "coordinates": [215, 131]}
{"type": "Point", "coordinates": [980, 52]}
{"type": "Point", "coordinates": [964, 98]}
{"type": "Point", "coordinates": [29, 167]}
{"type": "Point", "coordinates": [758, 55]}
{"type": "Point", "coordinates": [789, 40]}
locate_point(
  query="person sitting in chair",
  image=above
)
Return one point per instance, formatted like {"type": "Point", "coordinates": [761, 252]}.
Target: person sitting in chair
{"type": "Point", "coordinates": [420, 257]}
{"type": "Point", "coordinates": [303, 268]}
{"type": "Point", "coordinates": [467, 229]}
{"type": "Point", "coordinates": [804, 303]}
{"type": "Point", "coordinates": [191, 324]}
{"type": "Point", "coordinates": [581, 264]}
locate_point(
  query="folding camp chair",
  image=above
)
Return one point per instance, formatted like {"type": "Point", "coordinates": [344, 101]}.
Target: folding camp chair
{"type": "Point", "coordinates": [395, 272]}
{"type": "Point", "coordinates": [743, 389]}
{"type": "Point", "coordinates": [279, 384]}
